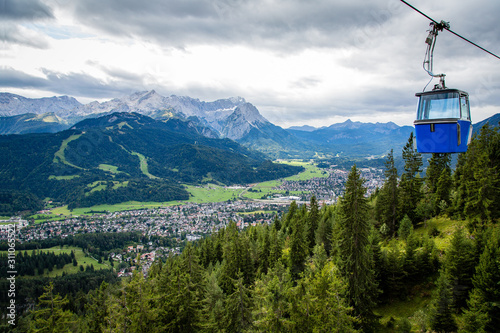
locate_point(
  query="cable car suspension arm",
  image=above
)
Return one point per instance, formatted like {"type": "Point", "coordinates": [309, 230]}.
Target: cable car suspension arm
{"type": "Point", "coordinates": [428, 63]}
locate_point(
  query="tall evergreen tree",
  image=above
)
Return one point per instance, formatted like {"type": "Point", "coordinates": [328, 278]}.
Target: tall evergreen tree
{"type": "Point", "coordinates": [324, 231]}
{"type": "Point", "coordinates": [484, 303]}
{"type": "Point", "coordinates": [213, 303]}
{"type": "Point", "coordinates": [354, 248]}
{"type": "Point", "coordinates": [459, 265]}
{"type": "Point", "coordinates": [180, 288]}
{"type": "Point", "coordinates": [49, 316]}
{"type": "Point", "coordinates": [299, 249]}
{"type": "Point", "coordinates": [411, 182]}
{"type": "Point", "coordinates": [441, 318]}
{"type": "Point", "coordinates": [312, 222]}
{"type": "Point", "coordinates": [271, 301]}
{"type": "Point", "coordinates": [96, 308]}
{"type": "Point", "coordinates": [238, 315]}
{"type": "Point", "coordinates": [387, 207]}
{"type": "Point", "coordinates": [443, 190]}
{"type": "Point", "coordinates": [437, 163]}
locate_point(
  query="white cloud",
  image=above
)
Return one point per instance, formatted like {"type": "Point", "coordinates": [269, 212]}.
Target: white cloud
{"type": "Point", "coordinates": [299, 62]}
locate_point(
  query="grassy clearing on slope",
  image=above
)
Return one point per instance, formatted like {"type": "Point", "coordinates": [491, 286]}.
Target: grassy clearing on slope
{"type": "Point", "coordinates": [268, 188]}
{"type": "Point", "coordinates": [109, 168]}
{"type": "Point", "coordinates": [398, 310]}
{"type": "Point", "coordinates": [212, 193]}
{"type": "Point", "coordinates": [69, 268]}
{"type": "Point", "coordinates": [63, 177]}
{"type": "Point", "coordinates": [311, 171]}
{"type": "Point", "coordinates": [128, 205]}
{"type": "Point", "coordinates": [59, 155]}
{"type": "Point", "coordinates": [445, 227]}
{"type": "Point", "coordinates": [144, 165]}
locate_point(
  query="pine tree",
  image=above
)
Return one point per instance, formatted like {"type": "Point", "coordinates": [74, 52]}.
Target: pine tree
{"type": "Point", "coordinates": [180, 289]}
{"type": "Point", "coordinates": [301, 306]}
{"type": "Point", "coordinates": [484, 303]}
{"type": "Point", "coordinates": [213, 304]}
{"type": "Point", "coordinates": [355, 256]}
{"type": "Point", "coordinates": [324, 231]}
{"type": "Point", "coordinates": [299, 249]}
{"type": "Point", "coordinates": [49, 315]}
{"type": "Point", "coordinates": [312, 222]}
{"type": "Point", "coordinates": [96, 309]}
{"type": "Point", "coordinates": [411, 264]}
{"type": "Point", "coordinates": [330, 311]}
{"type": "Point", "coordinates": [459, 265]}
{"type": "Point", "coordinates": [236, 257]}
{"type": "Point", "coordinates": [292, 210]}
{"type": "Point", "coordinates": [265, 250]}
{"type": "Point", "coordinates": [271, 301]}
{"type": "Point", "coordinates": [443, 189]}
{"type": "Point", "coordinates": [139, 300]}
{"type": "Point", "coordinates": [411, 182]}
{"type": "Point", "coordinates": [478, 178]}
{"type": "Point", "coordinates": [437, 163]}
{"type": "Point", "coordinates": [405, 228]}
{"type": "Point", "coordinates": [387, 202]}
{"type": "Point", "coordinates": [393, 272]}
{"type": "Point", "coordinates": [441, 318]}
{"type": "Point", "coordinates": [238, 315]}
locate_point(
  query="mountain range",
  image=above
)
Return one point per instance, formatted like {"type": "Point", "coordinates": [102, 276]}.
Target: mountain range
{"type": "Point", "coordinates": [233, 118]}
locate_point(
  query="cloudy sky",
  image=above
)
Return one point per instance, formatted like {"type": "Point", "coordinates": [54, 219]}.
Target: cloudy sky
{"type": "Point", "coordinates": [299, 62]}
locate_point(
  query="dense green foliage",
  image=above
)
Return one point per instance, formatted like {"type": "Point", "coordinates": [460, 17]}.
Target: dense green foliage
{"type": "Point", "coordinates": [122, 157]}
{"type": "Point", "coordinates": [14, 201]}
{"type": "Point", "coordinates": [36, 262]}
{"type": "Point", "coordinates": [279, 278]}
{"type": "Point", "coordinates": [468, 193]}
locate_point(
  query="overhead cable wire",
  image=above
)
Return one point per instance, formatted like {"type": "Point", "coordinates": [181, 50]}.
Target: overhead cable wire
{"type": "Point", "coordinates": [447, 28]}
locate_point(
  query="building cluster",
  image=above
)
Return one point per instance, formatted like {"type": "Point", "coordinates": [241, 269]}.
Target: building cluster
{"type": "Point", "coordinates": [189, 220]}
{"type": "Point", "coordinates": [329, 189]}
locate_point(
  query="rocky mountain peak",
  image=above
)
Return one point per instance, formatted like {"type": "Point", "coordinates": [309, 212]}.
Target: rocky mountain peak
{"type": "Point", "coordinates": [250, 114]}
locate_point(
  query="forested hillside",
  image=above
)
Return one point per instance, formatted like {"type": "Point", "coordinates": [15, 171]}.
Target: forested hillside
{"type": "Point", "coordinates": [325, 269]}
{"type": "Point", "coordinates": [122, 157]}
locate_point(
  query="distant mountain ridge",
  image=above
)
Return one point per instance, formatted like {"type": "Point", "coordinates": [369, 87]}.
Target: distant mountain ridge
{"type": "Point", "coordinates": [232, 118]}
{"type": "Point", "coordinates": [13, 105]}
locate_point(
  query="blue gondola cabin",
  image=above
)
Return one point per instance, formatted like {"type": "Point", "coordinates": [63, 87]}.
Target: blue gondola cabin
{"type": "Point", "coordinates": [443, 122]}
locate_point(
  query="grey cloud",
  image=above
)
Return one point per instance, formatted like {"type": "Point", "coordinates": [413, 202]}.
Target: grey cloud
{"type": "Point", "coordinates": [11, 78]}
{"type": "Point", "coordinates": [73, 84]}
{"type": "Point", "coordinates": [13, 13]}
{"type": "Point", "coordinates": [12, 34]}
{"type": "Point", "coordinates": [24, 10]}
{"type": "Point", "coordinates": [289, 25]}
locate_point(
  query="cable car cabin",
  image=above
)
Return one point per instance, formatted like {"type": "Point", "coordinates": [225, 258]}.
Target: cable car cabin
{"type": "Point", "coordinates": [443, 121]}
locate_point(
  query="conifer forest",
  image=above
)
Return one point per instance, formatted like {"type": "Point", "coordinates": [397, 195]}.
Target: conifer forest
{"type": "Point", "coordinates": [320, 268]}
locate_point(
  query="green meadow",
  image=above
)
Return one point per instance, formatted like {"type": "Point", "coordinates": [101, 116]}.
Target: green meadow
{"type": "Point", "coordinates": [198, 194]}
{"type": "Point", "coordinates": [68, 268]}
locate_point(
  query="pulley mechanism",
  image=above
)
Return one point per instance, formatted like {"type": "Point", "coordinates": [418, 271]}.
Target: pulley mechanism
{"type": "Point", "coordinates": [429, 53]}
